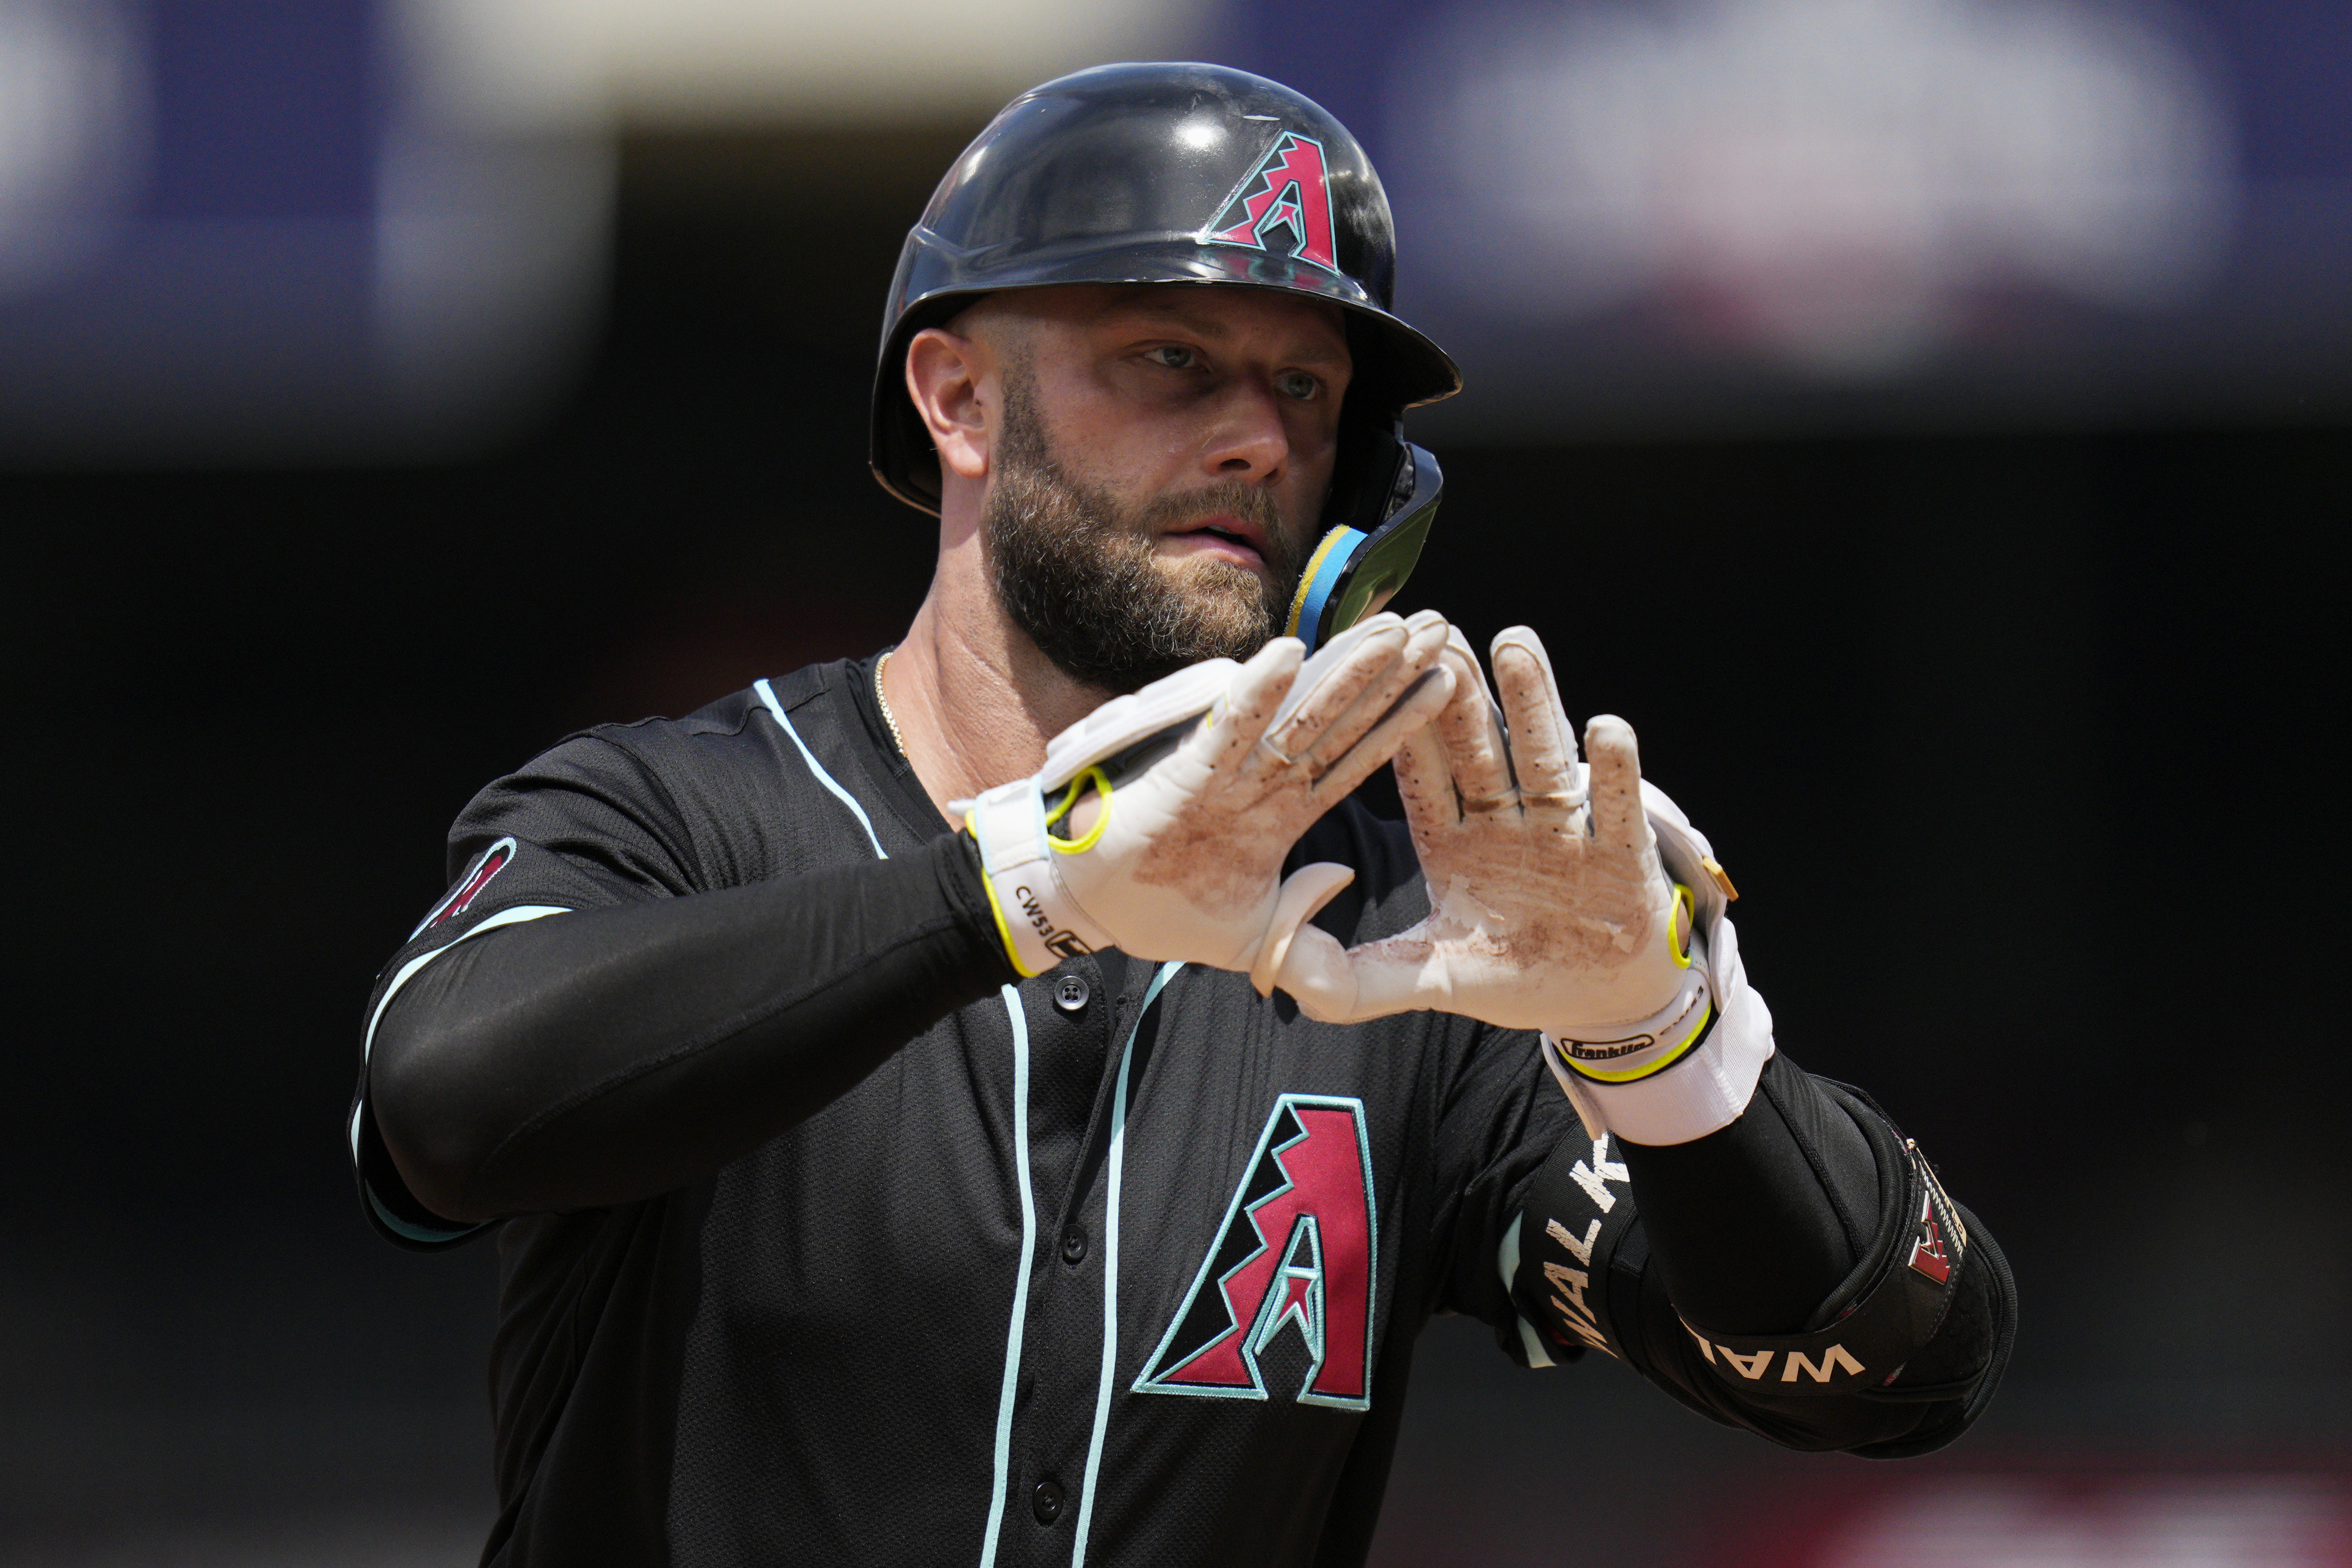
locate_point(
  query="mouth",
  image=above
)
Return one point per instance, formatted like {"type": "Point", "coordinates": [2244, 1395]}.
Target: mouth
{"type": "Point", "coordinates": [1232, 537]}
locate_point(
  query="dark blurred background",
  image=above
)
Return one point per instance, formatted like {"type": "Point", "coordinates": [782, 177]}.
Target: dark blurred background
{"type": "Point", "coordinates": [1927, 421]}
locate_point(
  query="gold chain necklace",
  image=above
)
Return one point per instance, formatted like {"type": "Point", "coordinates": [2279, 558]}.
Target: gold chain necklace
{"type": "Point", "coordinates": [883, 697]}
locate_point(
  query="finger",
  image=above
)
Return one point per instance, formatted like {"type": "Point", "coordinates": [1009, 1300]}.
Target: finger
{"type": "Point", "coordinates": [1304, 893]}
{"type": "Point", "coordinates": [1424, 763]}
{"type": "Point", "coordinates": [1543, 745]}
{"type": "Point", "coordinates": [1418, 648]}
{"type": "Point", "coordinates": [1477, 755]}
{"type": "Point", "coordinates": [1316, 972]}
{"type": "Point", "coordinates": [1333, 985]}
{"type": "Point", "coordinates": [1423, 784]}
{"type": "Point", "coordinates": [1407, 718]}
{"type": "Point", "coordinates": [1619, 822]}
{"type": "Point", "coordinates": [1332, 657]}
{"type": "Point", "coordinates": [1379, 701]}
{"type": "Point", "coordinates": [1333, 682]}
{"type": "Point", "coordinates": [1250, 704]}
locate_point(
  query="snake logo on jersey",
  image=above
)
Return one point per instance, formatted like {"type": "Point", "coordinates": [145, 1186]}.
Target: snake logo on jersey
{"type": "Point", "coordinates": [1297, 1251]}
{"type": "Point", "coordinates": [1287, 190]}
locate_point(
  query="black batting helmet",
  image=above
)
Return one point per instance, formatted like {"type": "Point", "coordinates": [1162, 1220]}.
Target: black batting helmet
{"type": "Point", "coordinates": [1182, 174]}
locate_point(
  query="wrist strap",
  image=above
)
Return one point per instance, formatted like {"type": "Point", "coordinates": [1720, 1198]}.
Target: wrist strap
{"type": "Point", "coordinates": [1037, 919]}
{"type": "Point", "coordinates": [1627, 1053]}
{"type": "Point", "coordinates": [1630, 1053]}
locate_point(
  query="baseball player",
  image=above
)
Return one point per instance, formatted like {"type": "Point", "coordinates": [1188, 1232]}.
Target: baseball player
{"type": "Point", "coordinates": [1001, 1102]}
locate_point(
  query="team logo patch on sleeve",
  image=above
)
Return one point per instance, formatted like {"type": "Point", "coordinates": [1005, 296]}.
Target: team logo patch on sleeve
{"type": "Point", "coordinates": [1297, 1251]}
{"type": "Point", "coordinates": [1287, 190]}
{"type": "Point", "coordinates": [1928, 1253]}
{"type": "Point", "coordinates": [469, 886]}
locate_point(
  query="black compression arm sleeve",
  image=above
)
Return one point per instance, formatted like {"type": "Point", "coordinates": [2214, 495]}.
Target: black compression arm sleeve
{"type": "Point", "coordinates": [1799, 1273]}
{"type": "Point", "coordinates": [605, 1056]}
{"type": "Point", "coordinates": [1756, 1224]}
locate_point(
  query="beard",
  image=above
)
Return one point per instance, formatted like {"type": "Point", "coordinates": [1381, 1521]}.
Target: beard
{"type": "Point", "coordinates": [1078, 572]}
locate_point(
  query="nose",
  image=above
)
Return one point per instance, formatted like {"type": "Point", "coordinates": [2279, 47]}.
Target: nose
{"type": "Point", "coordinates": [1247, 441]}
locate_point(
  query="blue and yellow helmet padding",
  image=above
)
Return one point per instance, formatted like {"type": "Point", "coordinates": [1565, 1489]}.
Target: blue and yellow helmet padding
{"type": "Point", "coordinates": [1353, 574]}
{"type": "Point", "coordinates": [1324, 570]}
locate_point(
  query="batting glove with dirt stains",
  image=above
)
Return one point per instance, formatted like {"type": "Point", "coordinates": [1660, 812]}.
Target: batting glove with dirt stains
{"type": "Point", "coordinates": [1552, 907]}
{"type": "Point", "coordinates": [1160, 823]}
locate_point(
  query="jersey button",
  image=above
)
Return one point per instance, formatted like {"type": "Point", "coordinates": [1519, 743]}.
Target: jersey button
{"type": "Point", "coordinates": [1071, 993]}
{"type": "Point", "coordinates": [1073, 1245]}
{"type": "Point", "coordinates": [1045, 1502]}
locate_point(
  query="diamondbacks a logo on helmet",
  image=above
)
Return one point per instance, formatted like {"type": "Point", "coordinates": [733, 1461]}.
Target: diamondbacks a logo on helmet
{"type": "Point", "coordinates": [1298, 1249]}
{"type": "Point", "coordinates": [1287, 190]}
{"type": "Point", "coordinates": [469, 886]}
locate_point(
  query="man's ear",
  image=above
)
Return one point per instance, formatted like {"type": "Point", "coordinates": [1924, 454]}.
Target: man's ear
{"type": "Point", "coordinates": [944, 372]}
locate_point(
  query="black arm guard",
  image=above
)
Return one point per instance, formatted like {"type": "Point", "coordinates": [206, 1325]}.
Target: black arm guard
{"type": "Point", "coordinates": [1899, 1359]}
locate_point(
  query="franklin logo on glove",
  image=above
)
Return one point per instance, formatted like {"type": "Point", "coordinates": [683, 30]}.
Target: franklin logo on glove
{"type": "Point", "coordinates": [1607, 1050]}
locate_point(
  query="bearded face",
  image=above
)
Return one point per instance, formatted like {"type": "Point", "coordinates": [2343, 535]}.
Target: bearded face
{"type": "Point", "coordinates": [1078, 570]}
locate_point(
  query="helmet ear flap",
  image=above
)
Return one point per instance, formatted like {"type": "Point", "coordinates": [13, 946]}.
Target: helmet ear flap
{"type": "Point", "coordinates": [1364, 474]}
{"type": "Point", "coordinates": [1366, 554]}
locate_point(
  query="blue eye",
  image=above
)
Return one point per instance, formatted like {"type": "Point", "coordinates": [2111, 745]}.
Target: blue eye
{"type": "Point", "coordinates": [1299, 384]}
{"type": "Point", "coordinates": [1171, 356]}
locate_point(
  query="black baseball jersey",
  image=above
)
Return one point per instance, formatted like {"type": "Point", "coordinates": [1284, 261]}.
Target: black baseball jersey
{"type": "Point", "coordinates": [1122, 1264]}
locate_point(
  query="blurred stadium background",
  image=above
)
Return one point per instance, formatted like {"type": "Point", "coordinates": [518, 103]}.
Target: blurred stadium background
{"type": "Point", "coordinates": [1924, 417]}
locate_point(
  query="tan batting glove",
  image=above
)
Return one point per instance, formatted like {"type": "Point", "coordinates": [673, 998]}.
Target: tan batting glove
{"type": "Point", "coordinates": [1160, 824]}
